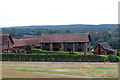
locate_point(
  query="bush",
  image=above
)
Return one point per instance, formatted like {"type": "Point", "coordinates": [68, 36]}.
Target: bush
{"type": "Point", "coordinates": [118, 52]}
{"type": "Point", "coordinates": [113, 58]}
{"type": "Point", "coordinates": [39, 51]}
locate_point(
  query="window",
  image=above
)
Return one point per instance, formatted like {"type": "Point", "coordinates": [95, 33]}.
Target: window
{"type": "Point", "coordinates": [78, 43]}
{"type": "Point", "coordinates": [88, 49]}
{"type": "Point", "coordinates": [79, 50]}
{"type": "Point", "coordinates": [45, 44]}
{"type": "Point", "coordinates": [68, 44]}
{"type": "Point", "coordinates": [68, 49]}
{"type": "Point", "coordinates": [102, 51]}
{"type": "Point", "coordinates": [99, 50]}
{"type": "Point", "coordinates": [47, 49]}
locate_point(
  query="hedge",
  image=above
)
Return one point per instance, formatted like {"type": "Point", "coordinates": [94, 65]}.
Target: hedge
{"type": "Point", "coordinates": [58, 58]}
{"type": "Point", "coordinates": [118, 52]}
{"type": "Point", "coordinates": [113, 58]}
{"type": "Point", "coordinates": [39, 51]}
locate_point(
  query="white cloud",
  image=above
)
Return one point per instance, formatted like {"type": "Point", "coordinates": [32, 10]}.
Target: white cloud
{"type": "Point", "coordinates": [58, 12]}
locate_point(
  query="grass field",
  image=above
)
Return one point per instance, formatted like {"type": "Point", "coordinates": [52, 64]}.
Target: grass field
{"type": "Point", "coordinates": [58, 70]}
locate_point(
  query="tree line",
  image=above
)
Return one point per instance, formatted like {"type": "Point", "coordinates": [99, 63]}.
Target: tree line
{"type": "Point", "coordinates": [98, 34]}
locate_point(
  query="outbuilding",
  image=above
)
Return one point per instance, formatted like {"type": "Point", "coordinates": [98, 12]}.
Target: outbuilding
{"type": "Point", "coordinates": [104, 49]}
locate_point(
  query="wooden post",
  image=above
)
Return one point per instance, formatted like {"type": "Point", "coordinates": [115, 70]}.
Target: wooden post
{"type": "Point", "coordinates": [30, 59]}
{"type": "Point", "coordinates": [52, 60]}
{"type": "Point", "coordinates": [48, 59]}
{"type": "Point", "coordinates": [73, 47]}
{"type": "Point", "coordinates": [43, 59]}
{"type": "Point", "coordinates": [105, 52]}
{"type": "Point", "coordinates": [51, 46]}
{"type": "Point", "coordinates": [104, 61]}
{"type": "Point", "coordinates": [59, 59]}
{"type": "Point", "coordinates": [80, 61]}
{"type": "Point", "coordinates": [62, 46]}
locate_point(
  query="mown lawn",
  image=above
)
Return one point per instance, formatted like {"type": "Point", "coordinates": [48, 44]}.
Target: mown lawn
{"type": "Point", "coordinates": [59, 70]}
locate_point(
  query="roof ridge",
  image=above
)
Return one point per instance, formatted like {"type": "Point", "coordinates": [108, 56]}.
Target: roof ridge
{"type": "Point", "coordinates": [4, 34]}
{"type": "Point", "coordinates": [103, 42]}
{"type": "Point", "coordinates": [65, 33]}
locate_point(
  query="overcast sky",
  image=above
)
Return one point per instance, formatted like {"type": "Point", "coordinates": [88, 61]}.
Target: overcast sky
{"type": "Point", "coordinates": [57, 12]}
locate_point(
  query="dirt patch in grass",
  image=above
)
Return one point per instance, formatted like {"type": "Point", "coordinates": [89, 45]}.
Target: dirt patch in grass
{"type": "Point", "coordinates": [58, 70]}
{"type": "Point", "coordinates": [65, 70]}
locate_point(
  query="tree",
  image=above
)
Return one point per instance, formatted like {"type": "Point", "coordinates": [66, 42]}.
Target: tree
{"type": "Point", "coordinates": [28, 48]}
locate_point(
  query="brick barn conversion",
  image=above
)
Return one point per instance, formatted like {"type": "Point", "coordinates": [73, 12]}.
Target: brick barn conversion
{"type": "Point", "coordinates": [104, 49]}
{"type": "Point", "coordinates": [20, 44]}
{"type": "Point", "coordinates": [6, 43]}
{"type": "Point", "coordinates": [77, 42]}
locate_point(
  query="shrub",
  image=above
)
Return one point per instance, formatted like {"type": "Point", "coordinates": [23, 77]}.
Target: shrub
{"type": "Point", "coordinates": [39, 51]}
{"type": "Point", "coordinates": [118, 52]}
{"type": "Point", "coordinates": [113, 58]}
{"type": "Point", "coordinates": [105, 57]}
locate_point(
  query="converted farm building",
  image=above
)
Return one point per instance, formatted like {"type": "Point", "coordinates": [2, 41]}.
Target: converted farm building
{"type": "Point", "coordinates": [77, 42]}
{"type": "Point", "coordinates": [21, 44]}
{"type": "Point", "coordinates": [104, 49]}
{"type": "Point", "coordinates": [6, 43]}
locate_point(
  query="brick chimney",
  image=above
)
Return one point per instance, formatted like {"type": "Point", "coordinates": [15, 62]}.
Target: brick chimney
{"type": "Point", "coordinates": [42, 34]}
{"type": "Point", "coordinates": [13, 35]}
{"type": "Point", "coordinates": [66, 32]}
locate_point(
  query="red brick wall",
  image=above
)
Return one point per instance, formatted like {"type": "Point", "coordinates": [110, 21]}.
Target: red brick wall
{"type": "Point", "coordinates": [51, 46]}
{"type": "Point", "coordinates": [101, 48]}
{"type": "Point", "coordinates": [20, 49]}
{"type": "Point", "coordinates": [62, 47]}
{"type": "Point", "coordinates": [7, 46]}
{"type": "Point", "coordinates": [73, 47]}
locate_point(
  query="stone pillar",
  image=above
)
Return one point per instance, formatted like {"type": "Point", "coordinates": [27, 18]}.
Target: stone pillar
{"type": "Point", "coordinates": [51, 46]}
{"type": "Point", "coordinates": [62, 46]}
{"type": "Point", "coordinates": [73, 47]}
{"type": "Point", "coordinates": [41, 45]}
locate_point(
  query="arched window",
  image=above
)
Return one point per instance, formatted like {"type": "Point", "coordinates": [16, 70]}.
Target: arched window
{"type": "Point", "coordinates": [99, 49]}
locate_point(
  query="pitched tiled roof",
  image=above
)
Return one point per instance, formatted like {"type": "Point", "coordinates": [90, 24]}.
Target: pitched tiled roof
{"type": "Point", "coordinates": [111, 50]}
{"type": "Point", "coordinates": [47, 38]}
{"type": "Point", "coordinates": [105, 45]}
{"type": "Point", "coordinates": [4, 37]}
{"type": "Point", "coordinates": [32, 36]}
{"type": "Point", "coordinates": [24, 42]}
{"type": "Point", "coordinates": [76, 37]}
